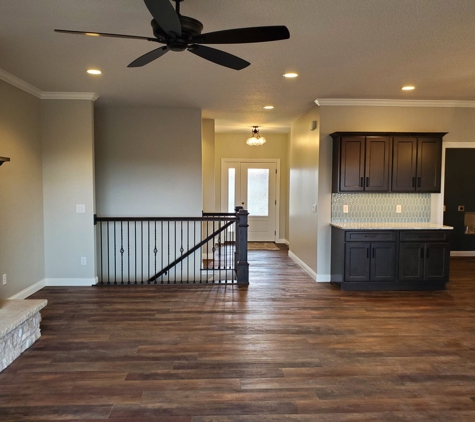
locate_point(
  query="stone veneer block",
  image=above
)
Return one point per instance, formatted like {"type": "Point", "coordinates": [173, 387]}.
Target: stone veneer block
{"type": "Point", "coordinates": [19, 327]}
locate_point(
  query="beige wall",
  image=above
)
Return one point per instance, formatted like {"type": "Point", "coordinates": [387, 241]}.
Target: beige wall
{"type": "Point", "coordinates": [233, 145]}
{"type": "Point", "coordinates": [21, 191]}
{"type": "Point", "coordinates": [458, 122]}
{"type": "Point", "coordinates": [68, 179]}
{"type": "Point", "coordinates": [148, 162]}
{"type": "Point", "coordinates": [208, 147]}
{"type": "Point", "coordinates": [304, 169]}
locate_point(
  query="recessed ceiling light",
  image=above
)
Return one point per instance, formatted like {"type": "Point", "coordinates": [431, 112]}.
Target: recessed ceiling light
{"type": "Point", "coordinates": [94, 72]}
{"type": "Point", "coordinates": [408, 88]}
{"type": "Point", "coordinates": [92, 34]}
{"type": "Point", "coordinates": [269, 107]}
{"type": "Point", "coordinates": [290, 75]}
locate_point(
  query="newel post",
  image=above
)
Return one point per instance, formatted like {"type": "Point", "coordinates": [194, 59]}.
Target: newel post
{"type": "Point", "coordinates": [242, 266]}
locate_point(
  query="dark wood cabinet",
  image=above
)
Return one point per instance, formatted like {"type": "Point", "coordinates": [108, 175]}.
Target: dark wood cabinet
{"type": "Point", "coordinates": [386, 162]}
{"type": "Point", "coordinates": [426, 260]}
{"type": "Point", "coordinates": [370, 261]}
{"type": "Point", "coordinates": [417, 164]}
{"type": "Point", "coordinates": [361, 164]}
{"type": "Point", "coordinates": [390, 259]}
{"type": "Point", "coordinates": [404, 164]}
{"type": "Point", "coordinates": [352, 168]}
{"type": "Point", "coordinates": [377, 160]}
{"type": "Point", "coordinates": [429, 163]}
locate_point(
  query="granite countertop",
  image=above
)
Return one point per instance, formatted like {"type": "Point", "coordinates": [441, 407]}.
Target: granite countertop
{"type": "Point", "coordinates": [391, 226]}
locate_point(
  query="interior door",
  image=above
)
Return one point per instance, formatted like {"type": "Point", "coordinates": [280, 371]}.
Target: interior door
{"type": "Point", "coordinates": [252, 185]}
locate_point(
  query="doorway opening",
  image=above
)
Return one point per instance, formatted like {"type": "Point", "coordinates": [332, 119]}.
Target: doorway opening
{"type": "Point", "coordinates": [254, 185]}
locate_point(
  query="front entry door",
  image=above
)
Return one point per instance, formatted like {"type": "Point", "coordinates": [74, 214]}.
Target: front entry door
{"type": "Point", "coordinates": [252, 185]}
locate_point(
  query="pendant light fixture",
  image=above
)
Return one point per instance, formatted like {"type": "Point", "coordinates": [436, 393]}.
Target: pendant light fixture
{"type": "Point", "coordinates": [256, 139]}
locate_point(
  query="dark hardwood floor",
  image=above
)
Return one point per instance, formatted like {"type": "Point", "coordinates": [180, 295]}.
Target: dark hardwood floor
{"type": "Point", "coordinates": [285, 349]}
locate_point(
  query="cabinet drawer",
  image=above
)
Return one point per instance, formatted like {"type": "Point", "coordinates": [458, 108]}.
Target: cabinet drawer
{"type": "Point", "coordinates": [424, 236]}
{"type": "Point", "coordinates": [370, 236]}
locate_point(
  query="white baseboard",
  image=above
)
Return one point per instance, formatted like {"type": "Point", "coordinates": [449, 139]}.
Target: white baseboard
{"type": "Point", "coordinates": [462, 253]}
{"type": "Point", "coordinates": [71, 282]}
{"type": "Point", "coordinates": [303, 265]}
{"type": "Point", "coordinates": [54, 282]}
{"type": "Point", "coordinates": [29, 291]}
{"type": "Point", "coordinates": [285, 241]}
{"type": "Point", "coordinates": [324, 278]}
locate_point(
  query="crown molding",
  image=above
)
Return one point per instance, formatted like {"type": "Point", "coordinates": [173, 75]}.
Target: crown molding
{"type": "Point", "coordinates": [19, 83]}
{"type": "Point", "coordinates": [393, 103]}
{"type": "Point", "coordinates": [42, 95]}
{"type": "Point", "coordinates": [91, 96]}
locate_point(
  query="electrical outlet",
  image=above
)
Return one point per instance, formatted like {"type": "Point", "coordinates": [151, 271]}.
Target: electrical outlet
{"type": "Point", "coordinates": [80, 208]}
{"type": "Point", "coordinates": [345, 209]}
{"type": "Point", "coordinates": [4, 280]}
{"type": "Point", "coordinates": [83, 260]}
{"type": "Point", "coordinates": [398, 209]}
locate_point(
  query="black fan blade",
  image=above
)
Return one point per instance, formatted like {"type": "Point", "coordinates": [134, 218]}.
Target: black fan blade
{"type": "Point", "coordinates": [219, 57]}
{"type": "Point", "coordinates": [104, 34]}
{"type": "Point", "coordinates": [165, 15]}
{"type": "Point", "coordinates": [244, 35]}
{"type": "Point", "coordinates": [149, 57]}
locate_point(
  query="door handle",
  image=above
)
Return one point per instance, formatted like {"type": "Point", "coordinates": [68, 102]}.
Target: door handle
{"type": "Point", "coordinates": [367, 252]}
{"type": "Point", "coordinates": [418, 182]}
{"type": "Point", "coordinates": [413, 182]}
{"type": "Point", "coordinates": [361, 182]}
{"type": "Point", "coordinates": [242, 203]}
{"type": "Point", "coordinates": [367, 181]}
{"type": "Point", "coordinates": [373, 253]}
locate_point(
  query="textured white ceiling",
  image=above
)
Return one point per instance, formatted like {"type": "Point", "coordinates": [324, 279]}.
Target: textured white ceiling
{"type": "Point", "coordinates": [340, 48]}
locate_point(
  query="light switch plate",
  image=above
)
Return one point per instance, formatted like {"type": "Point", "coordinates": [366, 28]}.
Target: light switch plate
{"type": "Point", "coordinates": [83, 260]}
{"type": "Point", "coordinates": [80, 208]}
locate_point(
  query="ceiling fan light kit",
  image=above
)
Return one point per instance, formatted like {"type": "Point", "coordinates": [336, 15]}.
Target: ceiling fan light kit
{"type": "Point", "coordinates": [180, 33]}
{"type": "Point", "coordinates": [256, 139]}
{"type": "Point", "coordinates": [3, 160]}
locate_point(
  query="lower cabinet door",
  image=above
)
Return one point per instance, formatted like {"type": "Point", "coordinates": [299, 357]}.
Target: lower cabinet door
{"type": "Point", "coordinates": [383, 261]}
{"type": "Point", "coordinates": [436, 264]}
{"type": "Point", "coordinates": [357, 261]}
{"type": "Point", "coordinates": [411, 261]}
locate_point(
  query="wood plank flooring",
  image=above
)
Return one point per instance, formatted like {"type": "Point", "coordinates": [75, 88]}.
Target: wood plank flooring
{"type": "Point", "coordinates": [285, 349]}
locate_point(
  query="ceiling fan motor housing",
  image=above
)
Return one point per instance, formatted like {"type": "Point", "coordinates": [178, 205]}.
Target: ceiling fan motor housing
{"type": "Point", "coordinates": [189, 28]}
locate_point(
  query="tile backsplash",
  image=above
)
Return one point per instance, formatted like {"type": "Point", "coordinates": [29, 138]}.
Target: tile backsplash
{"type": "Point", "coordinates": [381, 207]}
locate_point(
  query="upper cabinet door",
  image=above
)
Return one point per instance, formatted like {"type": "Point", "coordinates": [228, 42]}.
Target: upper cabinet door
{"type": "Point", "coordinates": [378, 151]}
{"type": "Point", "coordinates": [429, 163]}
{"type": "Point", "coordinates": [352, 164]}
{"type": "Point", "coordinates": [404, 164]}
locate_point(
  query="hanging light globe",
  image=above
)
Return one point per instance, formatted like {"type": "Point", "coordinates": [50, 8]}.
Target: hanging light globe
{"type": "Point", "coordinates": [256, 140]}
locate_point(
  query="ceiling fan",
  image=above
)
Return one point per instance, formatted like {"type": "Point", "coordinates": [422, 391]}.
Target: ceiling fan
{"type": "Point", "coordinates": [181, 33]}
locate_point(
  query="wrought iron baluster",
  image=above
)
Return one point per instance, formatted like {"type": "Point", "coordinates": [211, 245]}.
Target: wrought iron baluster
{"type": "Point", "coordinates": [121, 254]}
{"type": "Point", "coordinates": [148, 250]}
{"type": "Point", "coordinates": [128, 252]}
{"type": "Point", "coordinates": [108, 256]}
{"type": "Point", "coordinates": [102, 268]}
{"type": "Point", "coordinates": [155, 250]}
{"type": "Point", "coordinates": [181, 251]}
{"type": "Point", "coordinates": [141, 255]}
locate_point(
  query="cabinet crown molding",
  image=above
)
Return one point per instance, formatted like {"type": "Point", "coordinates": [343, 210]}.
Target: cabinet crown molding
{"type": "Point", "coordinates": [411, 134]}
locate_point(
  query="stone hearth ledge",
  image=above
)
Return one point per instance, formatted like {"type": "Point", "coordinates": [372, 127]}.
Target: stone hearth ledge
{"type": "Point", "coordinates": [19, 327]}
